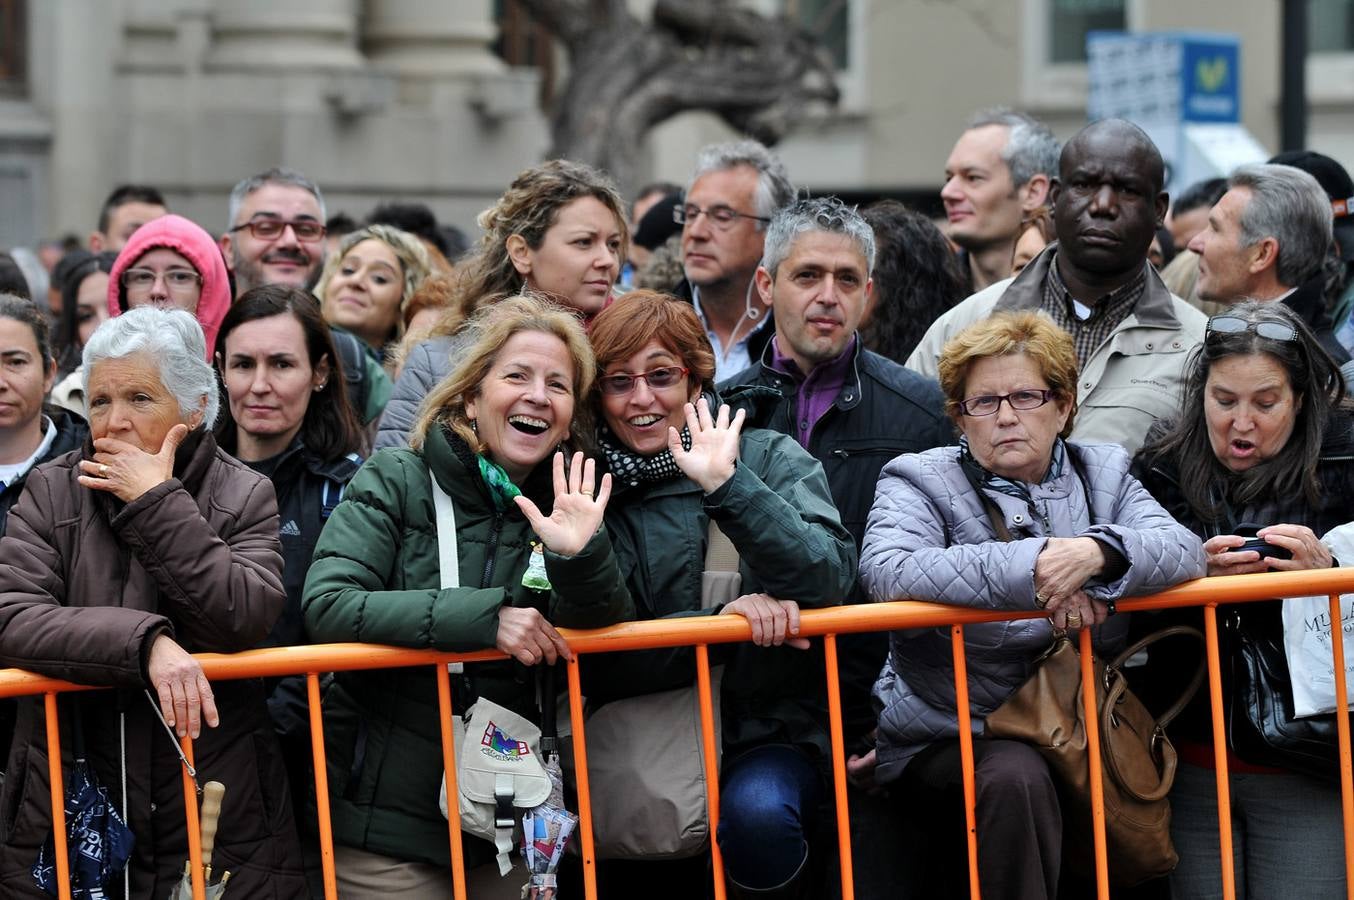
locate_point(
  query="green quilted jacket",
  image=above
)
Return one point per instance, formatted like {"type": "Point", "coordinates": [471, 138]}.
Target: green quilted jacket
{"type": "Point", "coordinates": [375, 578]}
{"type": "Point", "coordinates": [778, 513]}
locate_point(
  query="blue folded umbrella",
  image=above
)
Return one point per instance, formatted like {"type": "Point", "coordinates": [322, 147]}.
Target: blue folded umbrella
{"type": "Point", "coordinates": [99, 843]}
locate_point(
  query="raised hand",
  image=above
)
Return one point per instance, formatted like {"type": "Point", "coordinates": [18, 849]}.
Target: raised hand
{"type": "Point", "coordinates": [774, 622]}
{"type": "Point", "coordinates": [577, 513]}
{"type": "Point", "coordinates": [714, 445]}
{"type": "Point", "coordinates": [185, 695]}
{"type": "Point", "coordinates": [126, 471]}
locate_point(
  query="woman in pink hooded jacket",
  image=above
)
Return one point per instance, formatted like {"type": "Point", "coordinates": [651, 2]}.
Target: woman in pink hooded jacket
{"type": "Point", "coordinates": [171, 261]}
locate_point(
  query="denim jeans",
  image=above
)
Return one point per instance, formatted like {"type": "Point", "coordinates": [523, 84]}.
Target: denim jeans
{"type": "Point", "coordinates": [1287, 836]}
{"type": "Point", "coordinates": [768, 795]}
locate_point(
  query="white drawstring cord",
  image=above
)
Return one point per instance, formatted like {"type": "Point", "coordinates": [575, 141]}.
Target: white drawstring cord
{"type": "Point", "coordinates": [122, 744]}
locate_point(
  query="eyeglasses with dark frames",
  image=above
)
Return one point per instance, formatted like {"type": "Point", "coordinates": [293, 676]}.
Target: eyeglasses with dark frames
{"type": "Point", "coordinates": [1270, 330]}
{"type": "Point", "coordinates": [723, 217]}
{"type": "Point", "coordinates": [657, 379]}
{"type": "Point", "coordinates": [988, 404]}
{"type": "Point", "coordinates": [177, 281]}
{"type": "Point", "coordinates": [271, 229]}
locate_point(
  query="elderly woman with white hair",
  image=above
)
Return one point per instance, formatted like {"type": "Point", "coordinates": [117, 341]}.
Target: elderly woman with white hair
{"type": "Point", "coordinates": [120, 560]}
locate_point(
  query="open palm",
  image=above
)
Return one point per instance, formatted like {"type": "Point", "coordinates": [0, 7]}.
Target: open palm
{"type": "Point", "coordinates": [714, 445]}
{"type": "Point", "coordinates": [577, 513]}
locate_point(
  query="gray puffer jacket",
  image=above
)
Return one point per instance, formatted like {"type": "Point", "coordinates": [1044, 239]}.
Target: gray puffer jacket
{"type": "Point", "coordinates": [928, 538]}
{"type": "Point", "coordinates": [427, 364]}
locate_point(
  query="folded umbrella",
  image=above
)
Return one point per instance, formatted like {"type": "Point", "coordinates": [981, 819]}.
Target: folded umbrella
{"type": "Point", "coordinates": [212, 794]}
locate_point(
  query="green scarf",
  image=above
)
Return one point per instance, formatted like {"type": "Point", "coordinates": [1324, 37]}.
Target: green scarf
{"type": "Point", "coordinates": [501, 488]}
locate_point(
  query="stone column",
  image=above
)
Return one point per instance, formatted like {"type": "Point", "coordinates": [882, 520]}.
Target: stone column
{"type": "Point", "coordinates": [431, 37]}
{"type": "Point", "coordinates": [284, 35]}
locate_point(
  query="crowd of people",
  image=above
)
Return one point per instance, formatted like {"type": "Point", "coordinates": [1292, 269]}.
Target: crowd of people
{"type": "Point", "coordinates": [1069, 393]}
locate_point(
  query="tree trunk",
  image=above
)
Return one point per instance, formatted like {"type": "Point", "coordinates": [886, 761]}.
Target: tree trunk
{"type": "Point", "coordinates": [759, 74]}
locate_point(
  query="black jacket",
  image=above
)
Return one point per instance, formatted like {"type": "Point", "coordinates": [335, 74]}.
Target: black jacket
{"type": "Point", "coordinates": [883, 410]}
{"type": "Point", "coordinates": [308, 488]}
{"type": "Point", "coordinates": [1309, 301]}
{"type": "Point", "coordinates": [71, 432]}
{"type": "Point", "coordinates": [1168, 665]}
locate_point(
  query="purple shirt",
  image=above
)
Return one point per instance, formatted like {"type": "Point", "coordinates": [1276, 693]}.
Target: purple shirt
{"type": "Point", "coordinates": [818, 390]}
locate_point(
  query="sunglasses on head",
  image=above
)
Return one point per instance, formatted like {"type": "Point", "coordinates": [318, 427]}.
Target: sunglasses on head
{"type": "Point", "coordinates": [1273, 331]}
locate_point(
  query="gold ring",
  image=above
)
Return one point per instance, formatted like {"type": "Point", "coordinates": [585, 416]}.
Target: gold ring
{"type": "Point", "coordinates": [1040, 600]}
{"type": "Point", "coordinates": [103, 470]}
{"type": "Point", "coordinates": [1073, 617]}
{"type": "Point", "coordinates": [586, 492]}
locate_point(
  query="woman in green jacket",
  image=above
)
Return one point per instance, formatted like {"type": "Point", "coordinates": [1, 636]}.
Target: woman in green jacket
{"type": "Point", "coordinates": [677, 468]}
{"type": "Point", "coordinates": [483, 435]}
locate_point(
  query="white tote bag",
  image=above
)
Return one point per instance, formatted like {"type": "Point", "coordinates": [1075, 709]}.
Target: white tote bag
{"type": "Point", "coordinates": [1307, 637]}
{"type": "Point", "coordinates": [498, 753]}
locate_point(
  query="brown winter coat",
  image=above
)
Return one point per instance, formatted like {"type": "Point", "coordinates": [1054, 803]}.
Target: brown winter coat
{"type": "Point", "coordinates": [86, 584]}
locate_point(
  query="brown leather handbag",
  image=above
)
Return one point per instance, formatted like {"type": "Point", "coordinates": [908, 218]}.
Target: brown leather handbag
{"type": "Point", "coordinates": [1137, 758]}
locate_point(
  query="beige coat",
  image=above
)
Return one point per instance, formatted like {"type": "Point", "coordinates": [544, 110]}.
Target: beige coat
{"type": "Point", "coordinates": [1132, 379]}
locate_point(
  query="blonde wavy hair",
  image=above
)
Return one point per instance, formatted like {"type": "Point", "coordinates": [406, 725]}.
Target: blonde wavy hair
{"type": "Point", "coordinates": [412, 253]}
{"type": "Point", "coordinates": [486, 333]}
{"type": "Point", "coordinates": [529, 206]}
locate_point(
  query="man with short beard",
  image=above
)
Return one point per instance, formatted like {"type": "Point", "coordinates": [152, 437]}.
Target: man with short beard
{"type": "Point", "coordinates": [276, 236]}
{"type": "Point", "coordinates": [1132, 336]}
{"type": "Point", "coordinates": [276, 233]}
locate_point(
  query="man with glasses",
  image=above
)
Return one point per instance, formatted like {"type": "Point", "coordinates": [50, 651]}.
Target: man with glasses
{"type": "Point", "coordinates": [1267, 239]}
{"type": "Point", "coordinates": [735, 191]}
{"type": "Point", "coordinates": [276, 236]}
{"type": "Point", "coordinates": [1132, 336]}
{"type": "Point", "coordinates": [853, 410]}
{"type": "Point", "coordinates": [276, 233]}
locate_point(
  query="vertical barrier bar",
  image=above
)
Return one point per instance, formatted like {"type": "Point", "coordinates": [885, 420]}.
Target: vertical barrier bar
{"type": "Point", "coordinates": [1342, 729]}
{"type": "Point", "coordinates": [966, 755]}
{"type": "Point", "coordinates": [707, 707]}
{"type": "Point", "coordinates": [321, 787]}
{"type": "Point", "coordinates": [834, 716]}
{"type": "Point", "coordinates": [1092, 725]}
{"type": "Point", "coordinates": [61, 857]}
{"type": "Point", "coordinates": [194, 824]}
{"type": "Point", "coordinates": [1220, 751]}
{"type": "Point", "coordinates": [444, 713]}
{"type": "Point", "coordinates": [581, 777]}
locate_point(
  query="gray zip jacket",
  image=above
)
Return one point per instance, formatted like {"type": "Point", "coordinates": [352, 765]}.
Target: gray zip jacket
{"type": "Point", "coordinates": [929, 538]}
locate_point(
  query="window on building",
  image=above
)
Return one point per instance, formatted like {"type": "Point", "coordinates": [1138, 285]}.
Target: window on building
{"type": "Point", "coordinates": [1330, 26]}
{"type": "Point", "coordinates": [1071, 20]}
{"type": "Point", "coordinates": [522, 41]}
{"type": "Point", "coordinates": [827, 20]}
{"type": "Point", "coordinates": [13, 46]}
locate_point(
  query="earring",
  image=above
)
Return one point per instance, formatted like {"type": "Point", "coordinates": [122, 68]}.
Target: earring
{"type": "Point", "coordinates": [319, 387]}
{"type": "Point", "coordinates": [475, 426]}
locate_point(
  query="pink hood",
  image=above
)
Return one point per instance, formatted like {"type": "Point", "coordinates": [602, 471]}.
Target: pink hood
{"type": "Point", "coordinates": [190, 241]}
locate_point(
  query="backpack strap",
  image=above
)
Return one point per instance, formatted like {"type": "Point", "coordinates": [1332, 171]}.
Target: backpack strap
{"type": "Point", "coordinates": [353, 366]}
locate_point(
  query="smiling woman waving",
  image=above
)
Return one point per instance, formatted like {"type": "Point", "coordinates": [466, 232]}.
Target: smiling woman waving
{"type": "Point", "coordinates": [490, 437]}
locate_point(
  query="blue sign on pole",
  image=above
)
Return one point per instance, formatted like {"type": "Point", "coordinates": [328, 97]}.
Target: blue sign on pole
{"type": "Point", "coordinates": [1210, 75]}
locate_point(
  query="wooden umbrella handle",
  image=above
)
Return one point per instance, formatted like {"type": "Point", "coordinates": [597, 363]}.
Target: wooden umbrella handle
{"type": "Point", "coordinates": [212, 794]}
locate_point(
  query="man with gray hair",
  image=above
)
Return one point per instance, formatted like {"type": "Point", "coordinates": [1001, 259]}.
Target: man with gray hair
{"type": "Point", "coordinates": [276, 236]}
{"type": "Point", "coordinates": [1267, 239]}
{"type": "Point", "coordinates": [736, 189]}
{"type": "Point", "coordinates": [854, 410]}
{"type": "Point", "coordinates": [276, 230]}
{"type": "Point", "coordinates": [998, 173]}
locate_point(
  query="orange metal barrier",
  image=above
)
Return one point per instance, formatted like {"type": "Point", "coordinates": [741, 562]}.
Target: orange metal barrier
{"type": "Point", "coordinates": [700, 632]}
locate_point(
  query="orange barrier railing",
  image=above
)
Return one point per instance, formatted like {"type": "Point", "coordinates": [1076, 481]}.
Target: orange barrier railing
{"type": "Point", "coordinates": [700, 632]}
